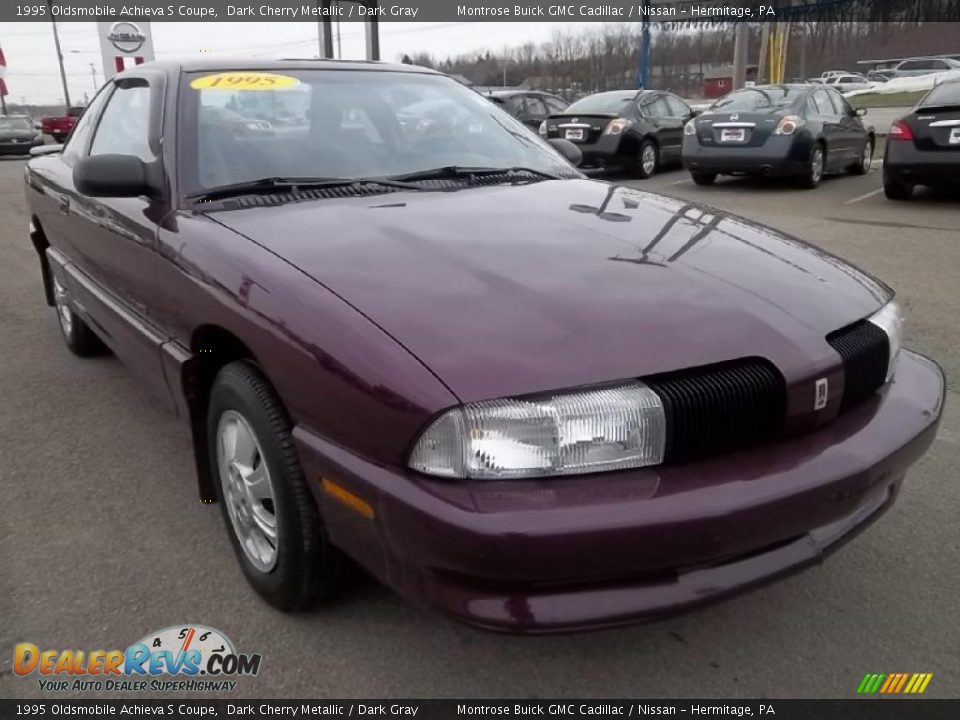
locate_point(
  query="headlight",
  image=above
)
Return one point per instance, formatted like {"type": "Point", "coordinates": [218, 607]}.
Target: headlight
{"type": "Point", "coordinates": [788, 125]}
{"type": "Point", "coordinates": [690, 128]}
{"type": "Point", "coordinates": [543, 128]}
{"type": "Point", "coordinates": [610, 428]}
{"type": "Point", "coordinates": [890, 320]}
{"type": "Point", "coordinates": [615, 127]}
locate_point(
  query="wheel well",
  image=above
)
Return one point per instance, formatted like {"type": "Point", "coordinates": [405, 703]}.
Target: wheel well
{"type": "Point", "coordinates": [40, 244]}
{"type": "Point", "coordinates": [211, 348]}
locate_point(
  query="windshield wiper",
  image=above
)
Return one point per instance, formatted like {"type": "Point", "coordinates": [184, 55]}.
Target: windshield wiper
{"type": "Point", "coordinates": [294, 183]}
{"type": "Point", "coordinates": [453, 172]}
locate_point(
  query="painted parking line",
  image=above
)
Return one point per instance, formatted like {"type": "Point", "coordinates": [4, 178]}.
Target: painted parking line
{"type": "Point", "coordinates": [864, 196]}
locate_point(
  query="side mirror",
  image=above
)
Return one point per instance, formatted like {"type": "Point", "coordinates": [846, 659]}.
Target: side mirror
{"type": "Point", "coordinates": [860, 112]}
{"type": "Point", "coordinates": [45, 150]}
{"type": "Point", "coordinates": [111, 176]}
{"type": "Point", "coordinates": [566, 148]}
{"type": "Point", "coordinates": [695, 113]}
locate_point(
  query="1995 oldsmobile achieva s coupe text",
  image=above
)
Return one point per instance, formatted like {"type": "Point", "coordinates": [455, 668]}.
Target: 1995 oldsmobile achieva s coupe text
{"type": "Point", "coordinates": [425, 341]}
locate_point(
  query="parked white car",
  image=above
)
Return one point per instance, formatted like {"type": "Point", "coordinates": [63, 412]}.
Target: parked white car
{"type": "Point", "coordinates": [846, 83]}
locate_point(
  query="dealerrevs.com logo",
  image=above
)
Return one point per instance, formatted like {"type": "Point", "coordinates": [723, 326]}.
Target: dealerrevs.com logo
{"type": "Point", "coordinates": [190, 658]}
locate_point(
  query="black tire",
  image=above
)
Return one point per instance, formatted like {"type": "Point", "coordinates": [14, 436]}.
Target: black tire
{"type": "Point", "coordinates": [863, 163]}
{"type": "Point", "coordinates": [643, 169]}
{"type": "Point", "coordinates": [702, 178]}
{"type": "Point", "coordinates": [77, 335]}
{"type": "Point", "coordinates": [307, 569]}
{"type": "Point", "coordinates": [895, 188]}
{"type": "Point", "coordinates": [811, 177]}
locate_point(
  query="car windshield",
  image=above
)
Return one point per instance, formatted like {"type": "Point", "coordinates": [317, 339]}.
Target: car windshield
{"type": "Point", "coordinates": [755, 99]}
{"type": "Point", "coordinates": [346, 124]}
{"type": "Point", "coordinates": [608, 102]}
{"type": "Point", "coordinates": [945, 94]}
{"type": "Point", "coordinates": [7, 123]}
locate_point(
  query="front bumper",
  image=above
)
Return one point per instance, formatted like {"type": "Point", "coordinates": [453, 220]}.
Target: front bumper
{"type": "Point", "coordinates": [925, 167]}
{"type": "Point", "coordinates": [615, 548]}
{"type": "Point", "coordinates": [18, 148]}
{"type": "Point", "coordinates": [778, 156]}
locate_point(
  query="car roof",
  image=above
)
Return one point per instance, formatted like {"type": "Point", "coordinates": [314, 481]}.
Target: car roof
{"type": "Point", "coordinates": [618, 93]}
{"type": "Point", "coordinates": [788, 86]}
{"type": "Point", "coordinates": [175, 67]}
{"type": "Point", "coordinates": [511, 93]}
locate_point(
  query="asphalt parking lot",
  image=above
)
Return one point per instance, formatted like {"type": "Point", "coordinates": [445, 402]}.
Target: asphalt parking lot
{"type": "Point", "coordinates": [103, 539]}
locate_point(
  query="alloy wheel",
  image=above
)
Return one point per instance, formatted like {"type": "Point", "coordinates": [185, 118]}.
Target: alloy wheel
{"type": "Point", "coordinates": [648, 159]}
{"type": "Point", "coordinates": [247, 490]}
{"type": "Point", "coordinates": [816, 165]}
{"type": "Point", "coordinates": [62, 300]}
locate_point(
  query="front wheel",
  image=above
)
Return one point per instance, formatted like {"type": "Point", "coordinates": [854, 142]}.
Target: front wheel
{"type": "Point", "coordinates": [814, 172]}
{"type": "Point", "coordinates": [647, 160]}
{"type": "Point", "coordinates": [702, 178]}
{"type": "Point", "coordinates": [271, 517]}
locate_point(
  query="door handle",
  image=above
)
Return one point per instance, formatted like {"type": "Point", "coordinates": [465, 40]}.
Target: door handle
{"type": "Point", "coordinates": [64, 204]}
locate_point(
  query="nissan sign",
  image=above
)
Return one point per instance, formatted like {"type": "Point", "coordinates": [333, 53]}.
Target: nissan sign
{"type": "Point", "coordinates": [127, 37]}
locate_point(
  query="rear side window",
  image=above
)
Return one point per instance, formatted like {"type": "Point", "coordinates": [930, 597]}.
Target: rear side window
{"type": "Point", "coordinates": [944, 94]}
{"type": "Point", "coordinates": [678, 108]}
{"type": "Point", "coordinates": [124, 126]}
{"type": "Point", "coordinates": [656, 107]}
{"type": "Point", "coordinates": [822, 104]}
{"type": "Point", "coordinates": [536, 110]}
{"type": "Point", "coordinates": [555, 105]}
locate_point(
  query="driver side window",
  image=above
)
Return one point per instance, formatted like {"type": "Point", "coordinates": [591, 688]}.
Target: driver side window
{"type": "Point", "coordinates": [843, 107]}
{"type": "Point", "coordinates": [77, 143]}
{"type": "Point", "coordinates": [124, 126]}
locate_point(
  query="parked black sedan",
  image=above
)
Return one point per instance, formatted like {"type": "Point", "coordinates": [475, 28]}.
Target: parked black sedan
{"type": "Point", "coordinates": [923, 148]}
{"type": "Point", "coordinates": [18, 134]}
{"type": "Point", "coordinates": [531, 107]}
{"type": "Point", "coordinates": [802, 131]}
{"type": "Point", "coordinates": [636, 130]}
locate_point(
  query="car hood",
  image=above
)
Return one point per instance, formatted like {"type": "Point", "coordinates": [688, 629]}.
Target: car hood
{"type": "Point", "coordinates": [508, 290]}
{"type": "Point", "coordinates": [18, 134]}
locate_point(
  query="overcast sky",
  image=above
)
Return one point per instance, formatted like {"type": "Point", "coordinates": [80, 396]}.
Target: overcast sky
{"type": "Point", "coordinates": [32, 65]}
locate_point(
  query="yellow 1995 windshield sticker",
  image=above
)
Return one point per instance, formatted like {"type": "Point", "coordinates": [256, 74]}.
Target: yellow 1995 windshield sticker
{"type": "Point", "coordinates": [243, 81]}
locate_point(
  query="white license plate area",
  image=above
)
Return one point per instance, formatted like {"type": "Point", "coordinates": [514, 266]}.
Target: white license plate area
{"type": "Point", "coordinates": [574, 134]}
{"type": "Point", "coordinates": [954, 136]}
{"type": "Point", "coordinates": [733, 135]}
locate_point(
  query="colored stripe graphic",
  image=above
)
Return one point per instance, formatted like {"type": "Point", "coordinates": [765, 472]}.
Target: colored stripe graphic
{"type": "Point", "coordinates": [894, 683]}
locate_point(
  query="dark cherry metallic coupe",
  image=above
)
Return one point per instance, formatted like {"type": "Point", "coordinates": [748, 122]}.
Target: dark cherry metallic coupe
{"type": "Point", "coordinates": [534, 401]}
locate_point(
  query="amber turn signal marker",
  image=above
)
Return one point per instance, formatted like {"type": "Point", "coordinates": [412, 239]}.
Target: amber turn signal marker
{"type": "Point", "coordinates": [347, 498]}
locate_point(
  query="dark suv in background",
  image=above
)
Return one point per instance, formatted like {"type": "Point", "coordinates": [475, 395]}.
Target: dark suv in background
{"type": "Point", "coordinates": [531, 107]}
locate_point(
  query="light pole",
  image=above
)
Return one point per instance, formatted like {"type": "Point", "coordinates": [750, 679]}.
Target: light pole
{"type": "Point", "coordinates": [56, 42]}
{"type": "Point", "coordinates": [93, 74]}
